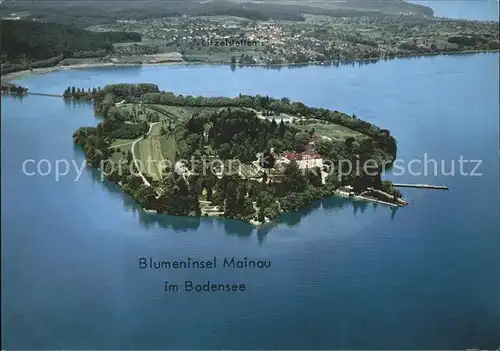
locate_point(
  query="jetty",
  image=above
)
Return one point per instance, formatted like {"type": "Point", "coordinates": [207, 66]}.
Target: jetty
{"type": "Point", "coordinates": [421, 186]}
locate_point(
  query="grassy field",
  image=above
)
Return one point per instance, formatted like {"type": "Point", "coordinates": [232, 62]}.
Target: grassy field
{"type": "Point", "coordinates": [179, 112]}
{"type": "Point", "coordinates": [152, 153]}
{"type": "Point", "coordinates": [333, 131]}
{"type": "Point", "coordinates": [148, 157]}
{"type": "Point", "coordinates": [176, 112]}
{"type": "Point", "coordinates": [168, 148]}
{"type": "Point", "coordinates": [156, 152]}
{"type": "Point", "coordinates": [118, 142]}
{"type": "Point", "coordinates": [121, 154]}
{"type": "Point", "coordinates": [140, 110]}
{"type": "Point", "coordinates": [166, 112]}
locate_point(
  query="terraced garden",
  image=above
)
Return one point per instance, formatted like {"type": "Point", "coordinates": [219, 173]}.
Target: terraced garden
{"type": "Point", "coordinates": [249, 171]}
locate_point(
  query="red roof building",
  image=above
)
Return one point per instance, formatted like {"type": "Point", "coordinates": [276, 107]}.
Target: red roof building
{"type": "Point", "coordinates": [306, 155]}
{"type": "Point", "coordinates": [306, 159]}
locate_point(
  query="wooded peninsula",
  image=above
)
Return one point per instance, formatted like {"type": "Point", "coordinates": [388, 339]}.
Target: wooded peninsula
{"type": "Point", "coordinates": [249, 157]}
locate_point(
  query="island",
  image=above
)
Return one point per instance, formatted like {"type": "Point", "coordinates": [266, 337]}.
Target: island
{"type": "Point", "coordinates": [248, 157]}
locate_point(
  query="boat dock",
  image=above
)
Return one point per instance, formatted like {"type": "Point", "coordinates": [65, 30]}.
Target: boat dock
{"type": "Point", "coordinates": [422, 186]}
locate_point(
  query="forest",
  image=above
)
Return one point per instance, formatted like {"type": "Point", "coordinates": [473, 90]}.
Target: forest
{"type": "Point", "coordinates": [24, 41]}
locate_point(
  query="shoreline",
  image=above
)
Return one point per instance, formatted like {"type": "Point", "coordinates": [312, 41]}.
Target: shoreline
{"type": "Point", "coordinates": [9, 77]}
{"type": "Point", "coordinates": [257, 224]}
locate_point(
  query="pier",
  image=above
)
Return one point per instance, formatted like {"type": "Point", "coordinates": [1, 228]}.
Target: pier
{"type": "Point", "coordinates": [421, 186]}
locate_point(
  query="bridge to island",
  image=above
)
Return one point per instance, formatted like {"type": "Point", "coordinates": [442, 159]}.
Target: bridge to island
{"type": "Point", "coordinates": [45, 94]}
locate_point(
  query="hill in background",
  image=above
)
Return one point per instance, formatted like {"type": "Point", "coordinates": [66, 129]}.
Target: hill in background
{"type": "Point", "coordinates": [25, 42]}
{"type": "Point", "coordinates": [88, 13]}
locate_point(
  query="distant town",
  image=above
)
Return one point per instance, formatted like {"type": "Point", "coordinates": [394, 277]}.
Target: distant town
{"type": "Point", "coordinates": [318, 39]}
{"type": "Point", "coordinates": [238, 41]}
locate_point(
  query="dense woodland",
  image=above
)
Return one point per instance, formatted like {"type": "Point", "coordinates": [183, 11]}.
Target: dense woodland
{"type": "Point", "coordinates": [28, 41]}
{"type": "Point", "coordinates": [230, 133]}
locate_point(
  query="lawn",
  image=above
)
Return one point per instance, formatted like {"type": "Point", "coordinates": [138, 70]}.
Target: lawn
{"type": "Point", "coordinates": [168, 148]}
{"type": "Point", "coordinates": [333, 131]}
{"type": "Point", "coordinates": [142, 110]}
{"type": "Point", "coordinates": [155, 152]}
{"type": "Point", "coordinates": [118, 142]}
{"type": "Point", "coordinates": [176, 112]}
{"type": "Point", "coordinates": [180, 112]}
{"type": "Point", "coordinates": [167, 112]}
{"type": "Point", "coordinates": [117, 156]}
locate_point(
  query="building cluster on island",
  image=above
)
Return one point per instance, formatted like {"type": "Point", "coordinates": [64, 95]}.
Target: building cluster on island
{"type": "Point", "coordinates": [279, 166]}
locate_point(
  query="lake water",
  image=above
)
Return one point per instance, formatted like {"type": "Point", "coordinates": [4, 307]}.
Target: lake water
{"type": "Point", "coordinates": [481, 10]}
{"type": "Point", "coordinates": [343, 274]}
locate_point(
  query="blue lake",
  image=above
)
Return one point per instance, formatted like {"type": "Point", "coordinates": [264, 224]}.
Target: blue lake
{"type": "Point", "coordinates": [343, 275]}
{"type": "Point", "coordinates": [481, 10]}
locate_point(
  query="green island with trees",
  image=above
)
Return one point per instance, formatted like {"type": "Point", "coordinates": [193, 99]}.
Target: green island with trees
{"type": "Point", "coordinates": [247, 158]}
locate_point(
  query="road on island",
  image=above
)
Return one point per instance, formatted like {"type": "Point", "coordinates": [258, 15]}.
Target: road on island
{"type": "Point", "coordinates": [133, 153]}
{"type": "Point", "coordinates": [145, 181]}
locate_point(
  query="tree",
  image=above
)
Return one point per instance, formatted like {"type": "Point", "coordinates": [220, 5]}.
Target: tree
{"type": "Point", "coordinates": [145, 196]}
{"type": "Point", "coordinates": [324, 147]}
{"type": "Point", "coordinates": [314, 177]}
{"type": "Point", "coordinates": [273, 126]}
{"type": "Point", "coordinates": [264, 178]}
{"type": "Point", "coordinates": [260, 215]}
{"type": "Point", "coordinates": [225, 151]}
{"type": "Point", "coordinates": [349, 141]}
{"type": "Point", "coordinates": [277, 145]}
{"type": "Point", "coordinates": [282, 129]}
{"type": "Point", "coordinates": [293, 179]}
{"type": "Point", "coordinates": [366, 146]}
{"type": "Point", "coordinates": [129, 157]}
{"type": "Point", "coordinates": [301, 139]}
{"type": "Point", "coordinates": [99, 130]}
{"type": "Point", "coordinates": [108, 46]}
{"type": "Point", "coordinates": [267, 160]}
